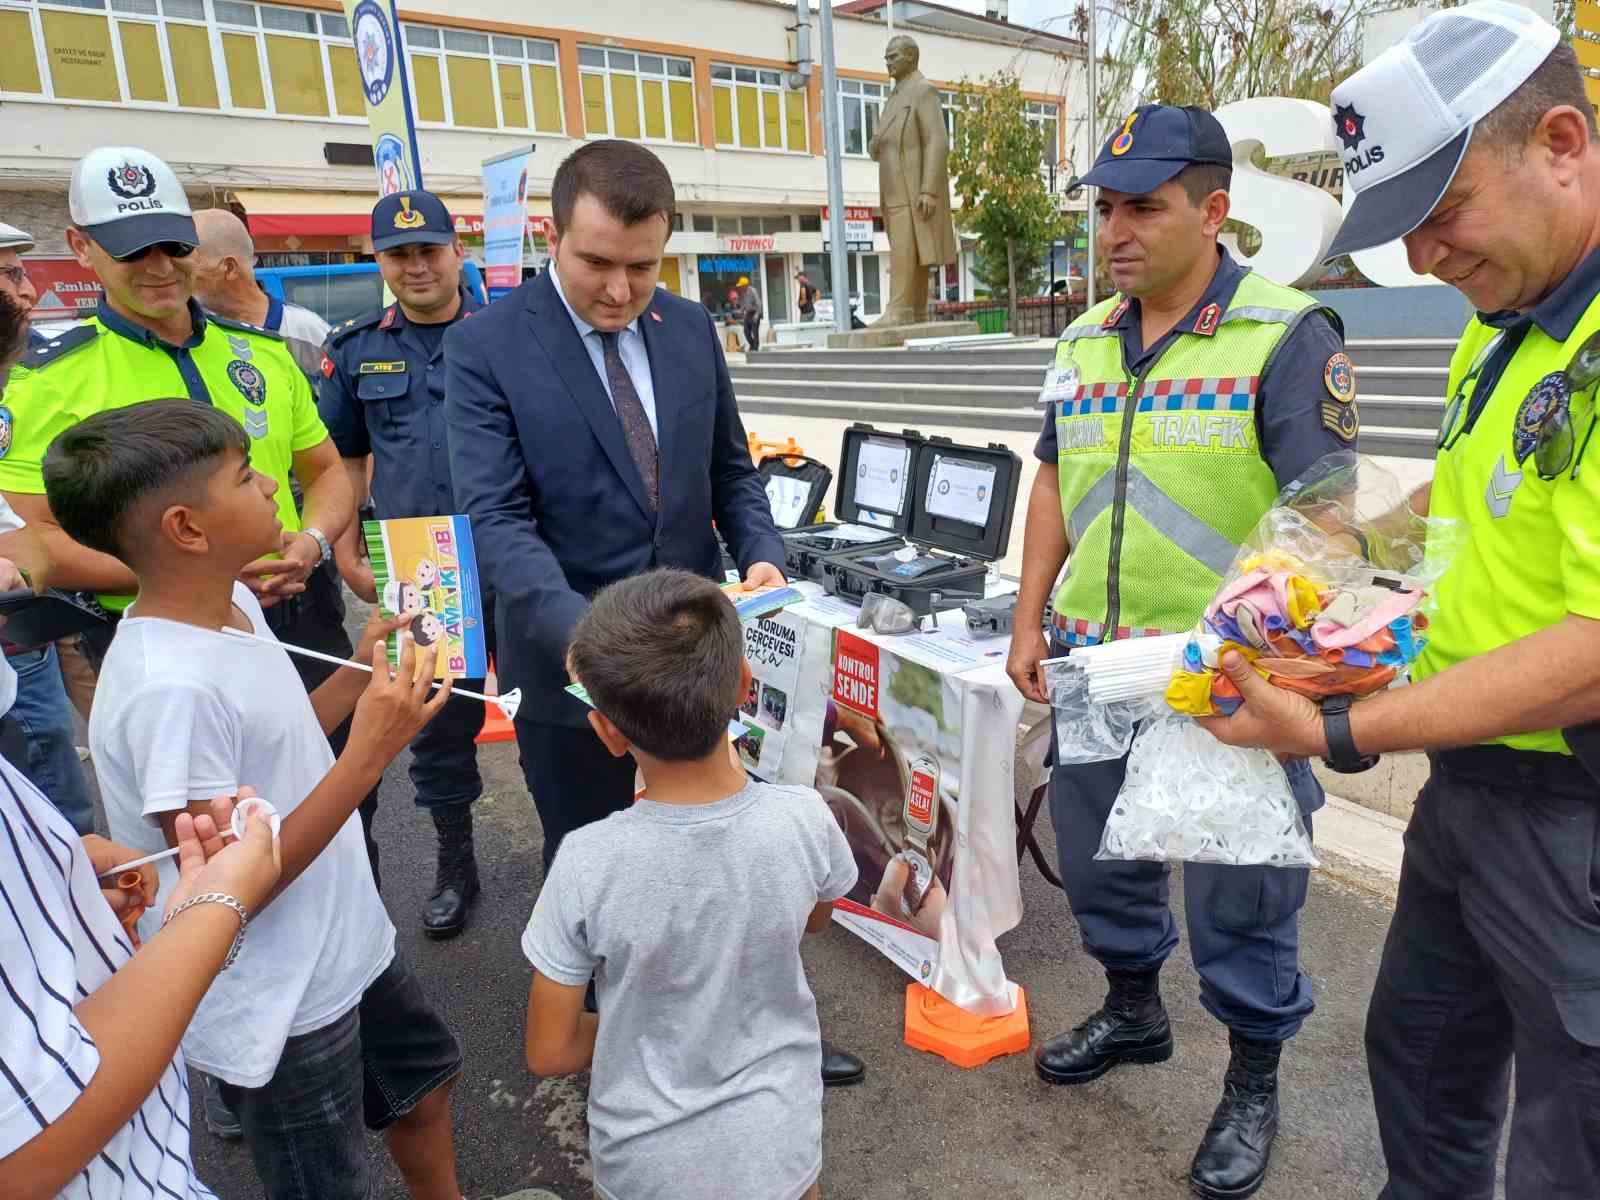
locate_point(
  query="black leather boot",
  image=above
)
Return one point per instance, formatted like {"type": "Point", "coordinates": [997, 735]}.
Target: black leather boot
{"type": "Point", "coordinates": [1232, 1159]}
{"type": "Point", "coordinates": [1131, 1027]}
{"type": "Point", "coordinates": [455, 886]}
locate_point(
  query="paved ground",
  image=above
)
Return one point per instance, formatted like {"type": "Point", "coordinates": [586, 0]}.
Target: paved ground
{"type": "Point", "coordinates": [918, 1127]}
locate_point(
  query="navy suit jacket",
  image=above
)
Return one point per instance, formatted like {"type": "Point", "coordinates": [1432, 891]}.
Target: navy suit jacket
{"type": "Point", "coordinates": [558, 508]}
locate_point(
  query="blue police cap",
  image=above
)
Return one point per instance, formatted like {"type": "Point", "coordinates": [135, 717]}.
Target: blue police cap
{"type": "Point", "coordinates": [1153, 144]}
{"type": "Point", "coordinates": [409, 217]}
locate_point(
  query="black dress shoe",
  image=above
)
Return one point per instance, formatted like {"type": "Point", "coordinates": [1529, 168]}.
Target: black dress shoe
{"type": "Point", "coordinates": [839, 1067]}
{"type": "Point", "coordinates": [455, 886]}
{"type": "Point", "coordinates": [1131, 1027]}
{"type": "Point", "coordinates": [1232, 1159]}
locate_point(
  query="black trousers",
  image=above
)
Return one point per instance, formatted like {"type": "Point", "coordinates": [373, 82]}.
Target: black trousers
{"type": "Point", "coordinates": [1492, 965]}
{"type": "Point", "coordinates": [574, 779]}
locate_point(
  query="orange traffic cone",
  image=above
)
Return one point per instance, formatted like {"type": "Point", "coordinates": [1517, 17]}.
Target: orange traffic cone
{"type": "Point", "coordinates": [496, 725]}
{"type": "Point", "coordinates": [939, 1027]}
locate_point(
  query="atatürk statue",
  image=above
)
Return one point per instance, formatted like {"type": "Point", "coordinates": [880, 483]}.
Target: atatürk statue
{"type": "Point", "coordinates": [912, 150]}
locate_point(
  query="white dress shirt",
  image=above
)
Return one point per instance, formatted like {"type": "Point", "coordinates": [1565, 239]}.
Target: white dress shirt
{"type": "Point", "coordinates": [635, 359]}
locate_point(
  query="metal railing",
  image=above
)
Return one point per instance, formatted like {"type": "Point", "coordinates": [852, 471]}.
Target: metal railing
{"type": "Point", "coordinates": [1037, 316]}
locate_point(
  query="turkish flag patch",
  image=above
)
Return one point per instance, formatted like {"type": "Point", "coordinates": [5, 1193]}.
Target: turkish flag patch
{"type": "Point", "coordinates": [327, 367]}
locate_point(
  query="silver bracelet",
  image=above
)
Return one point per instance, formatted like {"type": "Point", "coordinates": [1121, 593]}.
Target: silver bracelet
{"type": "Point", "coordinates": [227, 901]}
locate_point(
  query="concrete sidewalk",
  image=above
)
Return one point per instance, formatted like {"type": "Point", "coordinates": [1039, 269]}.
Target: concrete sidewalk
{"type": "Point", "coordinates": [918, 1127]}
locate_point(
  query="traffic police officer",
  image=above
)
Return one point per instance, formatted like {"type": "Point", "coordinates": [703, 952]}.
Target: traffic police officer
{"type": "Point", "coordinates": [149, 340]}
{"type": "Point", "coordinates": [1478, 146]}
{"type": "Point", "coordinates": [382, 397]}
{"type": "Point", "coordinates": [1178, 409]}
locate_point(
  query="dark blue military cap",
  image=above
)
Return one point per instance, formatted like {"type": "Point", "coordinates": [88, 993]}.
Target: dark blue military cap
{"type": "Point", "coordinates": [408, 217]}
{"type": "Point", "coordinates": [1153, 144]}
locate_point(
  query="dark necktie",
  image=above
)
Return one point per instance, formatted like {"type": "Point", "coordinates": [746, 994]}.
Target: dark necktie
{"type": "Point", "coordinates": [636, 429]}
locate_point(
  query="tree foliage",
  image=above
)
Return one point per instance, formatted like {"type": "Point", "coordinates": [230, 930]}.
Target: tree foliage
{"type": "Point", "coordinates": [1213, 52]}
{"type": "Point", "coordinates": [995, 154]}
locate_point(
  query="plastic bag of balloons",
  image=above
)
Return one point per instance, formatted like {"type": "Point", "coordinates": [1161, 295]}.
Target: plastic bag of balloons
{"type": "Point", "coordinates": [1329, 596]}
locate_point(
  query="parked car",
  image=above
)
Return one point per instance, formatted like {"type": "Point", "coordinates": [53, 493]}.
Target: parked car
{"type": "Point", "coordinates": [339, 292]}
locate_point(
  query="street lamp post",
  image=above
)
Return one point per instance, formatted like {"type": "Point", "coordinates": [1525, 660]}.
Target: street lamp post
{"type": "Point", "coordinates": [1050, 158]}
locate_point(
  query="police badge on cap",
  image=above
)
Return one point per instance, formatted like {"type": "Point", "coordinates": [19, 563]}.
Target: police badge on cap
{"type": "Point", "coordinates": [127, 199]}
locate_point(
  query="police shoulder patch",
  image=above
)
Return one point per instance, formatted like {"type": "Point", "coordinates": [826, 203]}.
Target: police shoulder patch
{"type": "Point", "coordinates": [1339, 376]}
{"type": "Point", "coordinates": [57, 348]}
{"type": "Point", "coordinates": [5, 431]}
{"type": "Point", "coordinates": [241, 326]}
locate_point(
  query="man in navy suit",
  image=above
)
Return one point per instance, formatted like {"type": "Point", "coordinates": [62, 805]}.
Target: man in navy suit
{"type": "Point", "coordinates": [593, 435]}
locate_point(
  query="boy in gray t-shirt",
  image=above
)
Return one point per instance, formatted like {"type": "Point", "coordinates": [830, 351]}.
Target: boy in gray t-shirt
{"type": "Point", "coordinates": [688, 909]}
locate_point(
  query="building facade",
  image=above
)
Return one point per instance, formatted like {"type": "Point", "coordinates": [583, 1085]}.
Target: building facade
{"type": "Point", "coordinates": [259, 106]}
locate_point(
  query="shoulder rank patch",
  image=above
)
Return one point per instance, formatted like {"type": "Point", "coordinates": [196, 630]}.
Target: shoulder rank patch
{"type": "Point", "coordinates": [364, 321]}
{"type": "Point", "coordinates": [382, 368]}
{"type": "Point", "coordinates": [1206, 323]}
{"type": "Point", "coordinates": [1341, 419]}
{"type": "Point", "coordinates": [252, 384]}
{"type": "Point", "coordinates": [59, 347]}
{"type": "Point", "coordinates": [1340, 378]}
{"type": "Point", "coordinates": [1115, 314]}
{"type": "Point", "coordinates": [243, 326]}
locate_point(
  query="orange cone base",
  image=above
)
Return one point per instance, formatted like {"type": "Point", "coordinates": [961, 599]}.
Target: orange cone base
{"type": "Point", "coordinates": [939, 1027]}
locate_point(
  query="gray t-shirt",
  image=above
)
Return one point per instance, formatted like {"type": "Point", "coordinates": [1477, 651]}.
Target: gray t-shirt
{"type": "Point", "coordinates": [706, 1083]}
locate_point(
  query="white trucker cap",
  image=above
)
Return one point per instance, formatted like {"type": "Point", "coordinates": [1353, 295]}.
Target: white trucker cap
{"type": "Point", "coordinates": [126, 199]}
{"type": "Point", "coordinates": [1404, 120]}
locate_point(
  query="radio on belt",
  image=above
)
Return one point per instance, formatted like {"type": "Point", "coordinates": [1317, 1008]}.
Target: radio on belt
{"type": "Point", "coordinates": [958, 521]}
{"type": "Point", "coordinates": [873, 505]}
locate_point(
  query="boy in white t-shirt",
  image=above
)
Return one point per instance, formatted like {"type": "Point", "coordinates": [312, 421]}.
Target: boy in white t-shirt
{"type": "Point", "coordinates": [688, 909]}
{"type": "Point", "coordinates": [319, 1025]}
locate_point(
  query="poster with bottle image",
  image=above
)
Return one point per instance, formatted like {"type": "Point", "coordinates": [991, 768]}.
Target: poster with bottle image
{"type": "Point", "coordinates": [890, 771]}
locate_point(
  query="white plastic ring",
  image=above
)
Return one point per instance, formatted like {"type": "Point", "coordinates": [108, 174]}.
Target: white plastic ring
{"type": "Point", "coordinates": [241, 813]}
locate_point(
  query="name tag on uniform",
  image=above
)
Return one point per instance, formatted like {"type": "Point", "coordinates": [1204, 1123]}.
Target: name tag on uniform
{"type": "Point", "coordinates": [382, 368]}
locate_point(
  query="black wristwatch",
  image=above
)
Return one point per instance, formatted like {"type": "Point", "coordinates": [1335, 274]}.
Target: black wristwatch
{"type": "Point", "coordinates": [1342, 755]}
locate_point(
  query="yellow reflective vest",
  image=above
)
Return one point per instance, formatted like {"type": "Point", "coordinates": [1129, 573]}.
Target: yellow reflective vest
{"type": "Point", "coordinates": [1161, 474]}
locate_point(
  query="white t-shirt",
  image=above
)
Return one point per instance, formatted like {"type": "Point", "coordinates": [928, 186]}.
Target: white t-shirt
{"type": "Point", "coordinates": [58, 943]}
{"type": "Point", "coordinates": [183, 713]}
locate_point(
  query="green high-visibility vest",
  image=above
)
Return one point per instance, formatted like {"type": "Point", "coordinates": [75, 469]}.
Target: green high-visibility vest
{"type": "Point", "coordinates": [1161, 474]}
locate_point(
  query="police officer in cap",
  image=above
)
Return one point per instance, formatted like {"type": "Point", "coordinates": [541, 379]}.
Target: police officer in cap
{"type": "Point", "coordinates": [1178, 409]}
{"type": "Point", "coordinates": [1473, 141]}
{"type": "Point", "coordinates": [382, 398]}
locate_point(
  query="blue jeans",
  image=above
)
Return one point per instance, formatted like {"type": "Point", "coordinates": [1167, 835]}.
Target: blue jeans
{"type": "Point", "coordinates": [48, 720]}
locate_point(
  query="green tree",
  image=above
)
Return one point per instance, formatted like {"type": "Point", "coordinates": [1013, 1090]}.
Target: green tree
{"type": "Point", "coordinates": [994, 161]}
{"type": "Point", "coordinates": [1213, 52]}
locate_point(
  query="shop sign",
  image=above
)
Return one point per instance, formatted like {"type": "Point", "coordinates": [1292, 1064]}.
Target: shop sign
{"type": "Point", "coordinates": [67, 290]}
{"type": "Point", "coordinates": [748, 245]}
{"type": "Point", "coordinates": [857, 229]}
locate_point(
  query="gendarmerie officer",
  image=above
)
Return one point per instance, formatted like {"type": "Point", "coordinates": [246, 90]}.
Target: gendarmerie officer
{"type": "Point", "coordinates": [382, 398]}
{"type": "Point", "coordinates": [1179, 408]}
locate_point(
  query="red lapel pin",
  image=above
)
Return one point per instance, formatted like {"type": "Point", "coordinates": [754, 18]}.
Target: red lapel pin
{"type": "Point", "coordinates": [655, 316]}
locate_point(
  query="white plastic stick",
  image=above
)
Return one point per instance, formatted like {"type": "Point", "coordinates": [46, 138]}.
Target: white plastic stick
{"type": "Point", "coordinates": [507, 703]}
